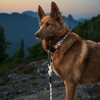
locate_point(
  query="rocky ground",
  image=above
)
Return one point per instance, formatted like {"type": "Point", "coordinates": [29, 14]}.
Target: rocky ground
{"type": "Point", "coordinates": [34, 86]}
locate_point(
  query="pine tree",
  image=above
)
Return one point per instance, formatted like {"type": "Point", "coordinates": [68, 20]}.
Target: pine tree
{"type": "Point", "coordinates": [3, 45]}
{"type": "Point", "coordinates": [21, 50]}
{"type": "Point", "coordinates": [20, 53]}
{"type": "Point", "coordinates": [79, 29]}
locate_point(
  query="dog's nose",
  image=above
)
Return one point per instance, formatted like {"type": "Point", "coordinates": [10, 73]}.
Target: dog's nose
{"type": "Point", "coordinates": [37, 34]}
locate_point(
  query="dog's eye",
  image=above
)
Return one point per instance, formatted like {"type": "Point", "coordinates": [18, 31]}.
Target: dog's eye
{"type": "Point", "coordinates": [48, 24]}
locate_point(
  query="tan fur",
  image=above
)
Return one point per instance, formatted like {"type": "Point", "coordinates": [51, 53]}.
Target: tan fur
{"type": "Point", "coordinates": [76, 61]}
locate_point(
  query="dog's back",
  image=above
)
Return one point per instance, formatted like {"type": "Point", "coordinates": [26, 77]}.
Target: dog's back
{"type": "Point", "coordinates": [92, 68]}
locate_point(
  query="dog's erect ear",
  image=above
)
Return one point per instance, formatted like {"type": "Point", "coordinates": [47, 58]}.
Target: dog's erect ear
{"type": "Point", "coordinates": [41, 13]}
{"type": "Point", "coordinates": [55, 11]}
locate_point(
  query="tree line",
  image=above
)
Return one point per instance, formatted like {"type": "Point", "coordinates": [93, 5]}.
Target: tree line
{"type": "Point", "coordinates": [88, 30]}
{"type": "Point", "coordinates": [36, 52]}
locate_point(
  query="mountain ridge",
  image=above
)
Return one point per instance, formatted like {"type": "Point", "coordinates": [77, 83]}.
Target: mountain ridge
{"type": "Point", "coordinates": [70, 21]}
{"type": "Point", "coordinates": [17, 27]}
{"type": "Point", "coordinates": [20, 26]}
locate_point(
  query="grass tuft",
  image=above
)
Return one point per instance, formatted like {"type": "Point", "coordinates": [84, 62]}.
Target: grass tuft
{"type": "Point", "coordinates": [29, 69]}
{"type": "Point", "coordinates": [33, 82]}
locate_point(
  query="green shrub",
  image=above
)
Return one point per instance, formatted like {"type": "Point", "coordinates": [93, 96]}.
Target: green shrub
{"type": "Point", "coordinates": [33, 82]}
{"type": "Point", "coordinates": [29, 69]}
{"type": "Point", "coordinates": [1, 95]}
{"type": "Point", "coordinates": [2, 72]}
{"type": "Point", "coordinates": [12, 82]}
{"type": "Point", "coordinates": [36, 52]}
{"type": "Point", "coordinates": [35, 74]}
{"type": "Point", "coordinates": [7, 68]}
{"type": "Point", "coordinates": [2, 82]}
{"type": "Point", "coordinates": [19, 67]}
{"type": "Point", "coordinates": [7, 60]}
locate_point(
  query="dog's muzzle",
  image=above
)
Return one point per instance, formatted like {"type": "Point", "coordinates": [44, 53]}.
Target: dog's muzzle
{"type": "Point", "coordinates": [37, 35]}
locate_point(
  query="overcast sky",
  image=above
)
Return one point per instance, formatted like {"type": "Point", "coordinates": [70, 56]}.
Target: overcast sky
{"type": "Point", "coordinates": [78, 8]}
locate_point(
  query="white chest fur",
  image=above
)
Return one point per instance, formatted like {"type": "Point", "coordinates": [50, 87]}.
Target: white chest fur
{"type": "Point", "coordinates": [55, 72]}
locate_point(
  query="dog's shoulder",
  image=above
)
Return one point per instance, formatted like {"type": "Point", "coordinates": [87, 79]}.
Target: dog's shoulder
{"type": "Point", "coordinates": [94, 49]}
{"type": "Point", "coordinates": [92, 44]}
{"type": "Point", "coordinates": [81, 48]}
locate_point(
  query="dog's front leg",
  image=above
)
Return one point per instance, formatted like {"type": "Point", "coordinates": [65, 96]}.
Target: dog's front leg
{"type": "Point", "coordinates": [70, 91]}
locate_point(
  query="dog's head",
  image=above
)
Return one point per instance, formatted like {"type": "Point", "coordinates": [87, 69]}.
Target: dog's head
{"type": "Point", "coordinates": [52, 25]}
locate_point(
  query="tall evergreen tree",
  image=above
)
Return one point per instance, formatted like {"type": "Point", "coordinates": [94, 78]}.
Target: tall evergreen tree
{"type": "Point", "coordinates": [21, 50]}
{"type": "Point", "coordinates": [3, 45]}
{"type": "Point", "coordinates": [20, 53]}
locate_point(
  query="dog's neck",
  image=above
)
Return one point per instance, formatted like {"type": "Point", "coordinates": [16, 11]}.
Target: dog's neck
{"type": "Point", "coordinates": [48, 44]}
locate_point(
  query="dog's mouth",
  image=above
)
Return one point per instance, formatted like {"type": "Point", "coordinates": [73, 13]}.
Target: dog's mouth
{"type": "Point", "coordinates": [41, 39]}
{"type": "Point", "coordinates": [38, 38]}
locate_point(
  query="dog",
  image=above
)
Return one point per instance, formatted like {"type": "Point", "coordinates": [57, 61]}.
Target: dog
{"type": "Point", "coordinates": [76, 60]}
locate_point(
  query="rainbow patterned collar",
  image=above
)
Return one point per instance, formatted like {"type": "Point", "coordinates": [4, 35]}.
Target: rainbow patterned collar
{"type": "Point", "coordinates": [53, 49]}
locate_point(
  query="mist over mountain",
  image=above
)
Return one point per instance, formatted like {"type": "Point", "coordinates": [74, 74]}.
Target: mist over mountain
{"type": "Point", "coordinates": [23, 26]}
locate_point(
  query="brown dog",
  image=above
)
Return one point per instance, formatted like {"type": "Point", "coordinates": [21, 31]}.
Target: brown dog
{"type": "Point", "coordinates": [76, 61]}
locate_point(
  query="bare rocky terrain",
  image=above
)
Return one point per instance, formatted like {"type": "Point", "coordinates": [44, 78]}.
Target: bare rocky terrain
{"type": "Point", "coordinates": [34, 86]}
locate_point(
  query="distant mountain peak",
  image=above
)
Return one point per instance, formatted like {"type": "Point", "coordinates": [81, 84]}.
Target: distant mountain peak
{"type": "Point", "coordinates": [70, 16]}
{"type": "Point", "coordinates": [15, 13]}
{"type": "Point", "coordinates": [31, 13]}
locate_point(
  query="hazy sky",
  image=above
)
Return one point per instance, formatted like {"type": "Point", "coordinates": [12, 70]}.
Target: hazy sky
{"type": "Point", "coordinates": [78, 8]}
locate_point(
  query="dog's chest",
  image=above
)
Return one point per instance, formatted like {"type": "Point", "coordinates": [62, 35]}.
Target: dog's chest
{"type": "Point", "coordinates": [55, 72]}
{"type": "Point", "coordinates": [56, 67]}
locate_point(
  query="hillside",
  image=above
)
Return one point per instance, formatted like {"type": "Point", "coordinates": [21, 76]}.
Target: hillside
{"type": "Point", "coordinates": [17, 27]}
{"type": "Point", "coordinates": [89, 29]}
{"type": "Point", "coordinates": [29, 81]}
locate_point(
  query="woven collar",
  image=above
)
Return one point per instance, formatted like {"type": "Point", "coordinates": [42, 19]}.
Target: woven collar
{"type": "Point", "coordinates": [53, 49]}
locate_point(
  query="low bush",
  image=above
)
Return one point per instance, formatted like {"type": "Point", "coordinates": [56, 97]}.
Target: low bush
{"type": "Point", "coordinates": [29, 69]}
{"type": "Point", "coordinates": [33, 82]}
{"type": "Point", "coordinates": [35, 74]}
{"type": "Point", "coordinates": [12, 82]}
{"type": "Point", "coordinates": [2, 82]}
